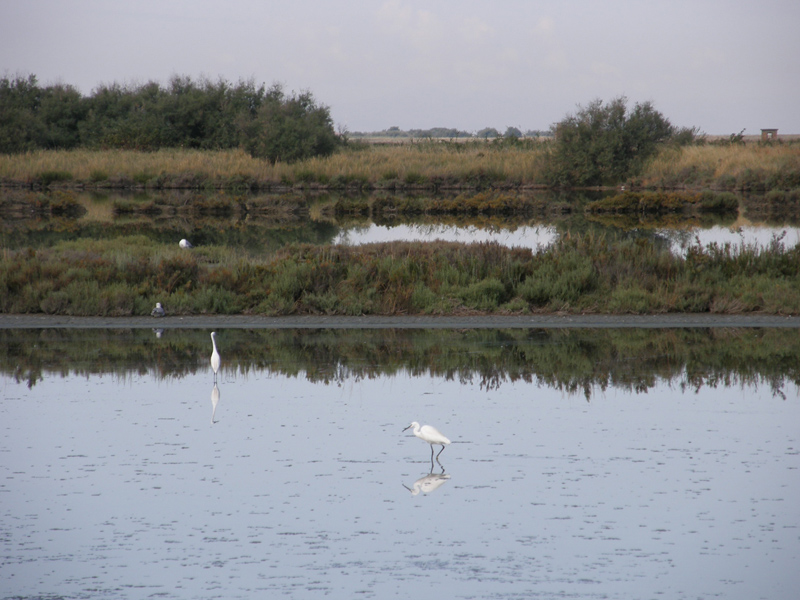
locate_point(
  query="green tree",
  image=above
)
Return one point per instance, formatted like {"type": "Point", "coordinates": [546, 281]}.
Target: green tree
{"type": "Point", "coordinates": [21, 128]}
{"type": "Point", "coordinates": [289, 128]}
{"type": "Point", "coordinates": [604, 144]}
{"type": "Point", "coordinates": [488, 132]}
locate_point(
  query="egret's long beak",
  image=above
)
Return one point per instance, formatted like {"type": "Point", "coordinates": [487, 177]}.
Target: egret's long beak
{"type": "Point", "coordinates": [409, 427]}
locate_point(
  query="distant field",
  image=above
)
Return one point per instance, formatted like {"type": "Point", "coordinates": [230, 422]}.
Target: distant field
{"type": "Point", "coordinates": [747, 139]}
{"type": "Point", "coordinates": [751, 139]}
{"type": "Point", "coordinates": [379, 140]}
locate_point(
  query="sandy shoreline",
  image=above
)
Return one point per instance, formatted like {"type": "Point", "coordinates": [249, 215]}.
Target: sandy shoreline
{"type": "Point", "coordinates": [402, 322]}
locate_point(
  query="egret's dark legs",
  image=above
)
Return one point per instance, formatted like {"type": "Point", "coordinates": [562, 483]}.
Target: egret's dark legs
{"type": "Point", "coordinates": [440, 452]}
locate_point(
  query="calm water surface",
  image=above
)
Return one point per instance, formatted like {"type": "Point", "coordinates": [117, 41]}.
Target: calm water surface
{"type": "Point", "coordinates": [120, 486]}
{"type": "Point", "coordinates": [537, 236]}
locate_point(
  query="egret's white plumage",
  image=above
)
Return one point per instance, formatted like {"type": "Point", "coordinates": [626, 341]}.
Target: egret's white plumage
{"type": "Point", "coordinates": [185, 244]}
{"type": "Point", "coordinates": [214, 355]}
{"type": "Point", "coordinates": [158, 311]}
{"type": "Point", "coordinates": [430, 434]}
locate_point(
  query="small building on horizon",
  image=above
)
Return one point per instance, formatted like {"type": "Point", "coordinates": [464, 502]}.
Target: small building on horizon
{"type": "Point", "coordinates": [769, 134]}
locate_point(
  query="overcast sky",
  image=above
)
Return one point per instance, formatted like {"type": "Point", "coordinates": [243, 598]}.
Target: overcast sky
{"type": "Point", "coordinates": [720, 65]}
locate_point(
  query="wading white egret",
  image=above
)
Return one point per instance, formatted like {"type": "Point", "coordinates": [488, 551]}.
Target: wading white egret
{"type": "Point", "coordinates": [185, 244]}
{"type": "Point", "coordinates": [214, 355]}
{"type": "Point", "coordinates": [431, 435]}
{"type": "Point", "coordinates": [158, 311]}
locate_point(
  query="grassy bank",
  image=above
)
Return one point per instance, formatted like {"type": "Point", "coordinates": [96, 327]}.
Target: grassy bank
{"type": "Point", "coordinates": [425, 165]}
{"type": "Point", "coordinates": [579, 273]}
{"type": "Point", "coordinates": [419, 166]}
{"type": "Point", "coordinates": [751, 167]}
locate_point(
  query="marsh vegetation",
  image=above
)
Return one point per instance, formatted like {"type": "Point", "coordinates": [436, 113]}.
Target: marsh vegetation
{"type": "Point", "coordinates": [264, 154]}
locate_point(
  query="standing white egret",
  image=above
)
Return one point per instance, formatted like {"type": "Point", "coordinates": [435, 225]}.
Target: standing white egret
{"type": "Point", "coordinates": [431, 435]}
{"type": "Point", "coordinates": [185, 244]}
{"type": "Point", "coordinates": [214, 355]}
{"type": "Point", "coordinates": [158, 311]}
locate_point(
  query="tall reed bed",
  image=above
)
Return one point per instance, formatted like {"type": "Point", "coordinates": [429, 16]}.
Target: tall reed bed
{"type": "Point", "coordinates": [375, 165]}
{"type": "Point", "coordinates": [101, 165]}
{"type": "Point", "coordinates": [420, 164]}
{"type": "Point", "coordinates": [743, 167]}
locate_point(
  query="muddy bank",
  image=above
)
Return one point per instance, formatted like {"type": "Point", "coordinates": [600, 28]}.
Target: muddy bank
{"type": "Point", "coordinates": [410, 322]}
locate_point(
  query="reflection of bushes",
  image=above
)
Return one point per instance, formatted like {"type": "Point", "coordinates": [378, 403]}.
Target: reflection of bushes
{"type": "Point", "coordinates": [776, 206]}
{"type": "Point", "coordinates": [664, 202]}
{"type": "Point", "coordinates": [572, 360]}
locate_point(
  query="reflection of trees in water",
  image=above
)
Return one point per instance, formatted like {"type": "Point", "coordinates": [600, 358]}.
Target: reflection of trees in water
{"type": "Point", "coordinates": [272, 223]}
{"type": "Point", "coordinates": [575, 361]}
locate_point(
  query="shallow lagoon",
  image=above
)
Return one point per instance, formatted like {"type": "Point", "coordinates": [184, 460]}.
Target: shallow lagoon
{"type": "Point", "coordinates": [116, 483]}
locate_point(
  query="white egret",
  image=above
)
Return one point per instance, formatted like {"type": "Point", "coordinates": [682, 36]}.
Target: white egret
{"type": "Point", "coordinates": [158, 311]}
{"type": "Point", "coordinates": [431, 435]}
{"type": "Point", "coordinates": [185, 244]}
{"type": "Point", "coordinates": [214, 355]}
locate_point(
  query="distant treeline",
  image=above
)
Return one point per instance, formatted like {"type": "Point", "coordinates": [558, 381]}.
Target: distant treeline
{"type": "Point", "coordinates": [186, 113]}
{"type": "Point", "coordinates": [449, 133]}
{"type": "Point", "coordinates": [600, 144]}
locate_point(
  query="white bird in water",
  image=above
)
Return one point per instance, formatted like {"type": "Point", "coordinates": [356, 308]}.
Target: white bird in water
{"type": "Point", "coordinates": [429, 434]}
{"type": "Point", "coordinates": [158, 311]}
{"type": "Point", "coordinates": [215, 356]}
{"type": "Point", "coordinates": [185, 244]}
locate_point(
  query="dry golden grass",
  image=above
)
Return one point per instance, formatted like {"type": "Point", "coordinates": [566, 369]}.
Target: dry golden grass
{"type": "Point", "coordinates": [710, 164]}
{"type": "Point", "coordinates": [372, 163]}
{"type": "Point", "coordinates": [83, 165]}
{"type": "Point", "coordinates": [410, 163]}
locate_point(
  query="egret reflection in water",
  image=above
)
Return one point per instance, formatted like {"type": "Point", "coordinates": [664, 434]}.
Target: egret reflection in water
{"type": "Point", "coordinates": [214, 401]}
{"type": "Point", "coordinates": [428, 483]}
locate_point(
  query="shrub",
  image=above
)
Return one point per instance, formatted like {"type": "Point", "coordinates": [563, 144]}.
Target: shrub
{"type": "Point", "coordinates": [605, 144]}
{"type": "Point", "coordinates": [559, 279]}
{"type": "Point", "coordinates": [289, 129]}
{"type": "Point", "coordinates": [487, 294]}
{"type": "Point", "coordinates": [48, 177]}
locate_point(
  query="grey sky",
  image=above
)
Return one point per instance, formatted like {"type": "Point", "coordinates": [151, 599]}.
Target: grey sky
{"type": "Point", "coordinates": [720, 65]}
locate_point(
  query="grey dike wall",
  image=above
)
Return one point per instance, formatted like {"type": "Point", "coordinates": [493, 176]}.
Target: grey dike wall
{"type": "Point", "coordinates": [398, 322]}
